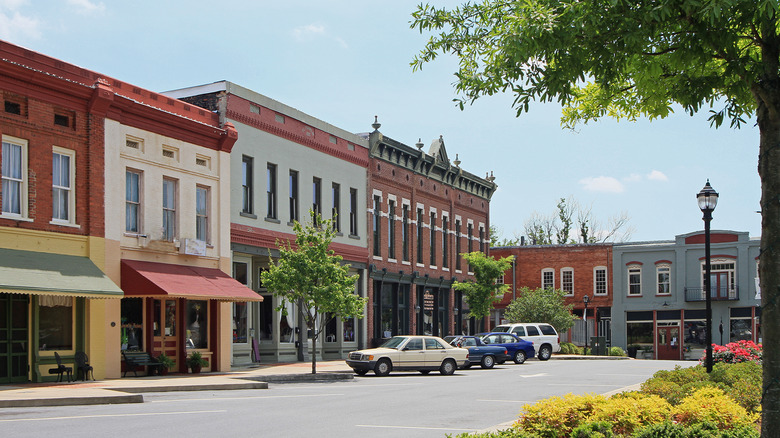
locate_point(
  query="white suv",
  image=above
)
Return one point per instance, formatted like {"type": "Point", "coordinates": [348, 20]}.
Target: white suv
{"type": "Point", "coordinates": [545, 338]}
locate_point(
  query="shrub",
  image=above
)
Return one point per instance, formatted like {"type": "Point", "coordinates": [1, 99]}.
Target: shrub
{"type": "Point", "coordinates": [699, 430]}
{"type": "Point", "coordinates": [557, 416]}
{"type": "Point", "coordinates": [631, 411]}
{"type": "Point", "coordinates": [676, 384]}
{"type": "Point", "coordinates": [740, 381]}
{"type": "Point", "coordinates": [598, 429]}
{"type": "Point", "coordinates": [714, 406]}
{"type": "Point", "coordinates": [735, 352]}
{"type": "Point", "coordinates": [507, 433]}
{"type": "Point", "coordinates": [616, 351]}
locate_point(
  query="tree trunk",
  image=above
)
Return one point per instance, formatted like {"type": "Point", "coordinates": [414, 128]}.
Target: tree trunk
{"type": "Point", "coordinates": [769, 260]}
{"type": "Point", "coordinates": [314, 343]}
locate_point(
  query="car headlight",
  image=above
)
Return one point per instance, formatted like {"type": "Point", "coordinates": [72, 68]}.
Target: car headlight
{"type": "Point", "coordinates": [369, 357]}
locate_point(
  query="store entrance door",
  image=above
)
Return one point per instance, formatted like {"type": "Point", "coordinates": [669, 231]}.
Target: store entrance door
{"type": "Point", "coordinates": [668, 343]}
{"type": "Point", "coordinates": [13, 338]}
{"type": "Point", "coordinates": [165, 334]}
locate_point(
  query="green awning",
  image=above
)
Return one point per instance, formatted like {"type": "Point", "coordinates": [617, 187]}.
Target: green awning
{"type": "Point", "coordinates": [40, 273]}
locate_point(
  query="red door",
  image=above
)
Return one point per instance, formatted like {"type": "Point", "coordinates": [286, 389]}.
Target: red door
{"type": "Point", "coordinates": [668, 343]}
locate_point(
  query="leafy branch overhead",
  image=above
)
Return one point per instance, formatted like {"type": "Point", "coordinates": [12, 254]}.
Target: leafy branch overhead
{"type": "Point", "coordinates": [483, 291]}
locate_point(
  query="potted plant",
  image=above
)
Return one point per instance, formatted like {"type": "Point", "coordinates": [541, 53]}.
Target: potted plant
{"type": "Point", "coordinates": [167, 363]}
{"type": "Point", "coordinates": [632, 349]}
{"type": "Point", "coordinates": [196, 362]}
{"type": "Point", "coordinates": [649, 352]}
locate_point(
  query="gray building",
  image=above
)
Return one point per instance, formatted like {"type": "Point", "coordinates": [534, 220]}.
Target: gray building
{"type": "Point", "coordinates": [284, 164]}
{"type": "Point", "coordinates": [659, 295]}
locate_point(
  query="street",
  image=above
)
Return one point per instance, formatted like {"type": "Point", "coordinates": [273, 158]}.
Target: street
{"type": "Point", "coordinates": [407, 404]}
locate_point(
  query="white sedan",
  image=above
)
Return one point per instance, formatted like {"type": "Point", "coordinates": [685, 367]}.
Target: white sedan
{"type": "Point", "coordinates": [417, 353]}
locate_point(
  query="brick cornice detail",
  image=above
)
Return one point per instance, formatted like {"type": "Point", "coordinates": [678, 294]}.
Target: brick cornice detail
{"type": "Point", "coordinates": [300, 139]}
{"type": "Point", "coordinates": [261, 238]}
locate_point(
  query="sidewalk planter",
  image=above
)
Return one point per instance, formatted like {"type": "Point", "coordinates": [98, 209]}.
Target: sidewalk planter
{"type": "Point", "coordinates": [196, 362]}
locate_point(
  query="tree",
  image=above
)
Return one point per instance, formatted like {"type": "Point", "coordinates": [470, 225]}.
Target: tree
{"type": "Point", "coordinates": [631, 59]}
{"type": "Point", "coordinates": [541, 305]}
{"type": "Point", "coordinates": [541, 229]}
{"type": "Point", "coordinates": [483, 291]}
{"type": "Point", "coordinates": [497, 238]}
{"type": "Point", "coordinates": [313, 277]}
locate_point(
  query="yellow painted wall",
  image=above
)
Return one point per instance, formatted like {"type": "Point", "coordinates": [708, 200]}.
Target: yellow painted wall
{"type": "Point", "coordinates": [225, 312]}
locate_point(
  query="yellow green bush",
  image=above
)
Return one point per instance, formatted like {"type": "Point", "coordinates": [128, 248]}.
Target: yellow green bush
{"type": "Point", "coordinates": [714, 406]}
{"type": "Point", "coordinates": [631, 411]}
{"type": "Point", "coordinates": [556, 417]}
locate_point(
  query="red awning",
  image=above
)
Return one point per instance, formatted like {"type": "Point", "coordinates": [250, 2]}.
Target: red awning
{"type": "Point", "coordinates": [147, 279]}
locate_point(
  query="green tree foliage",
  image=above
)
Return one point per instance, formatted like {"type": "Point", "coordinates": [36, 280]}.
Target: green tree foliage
{"type": "Point", "coordinates": [312, 276]}
{"type": "Point", "coordinates": [497, 238]}
{"type": "Point", "coordinates": [482, 292]}
{"type": "Point", "coordinates": [631, 59]}
{"type": "Point", "coordinates": [541, 305]}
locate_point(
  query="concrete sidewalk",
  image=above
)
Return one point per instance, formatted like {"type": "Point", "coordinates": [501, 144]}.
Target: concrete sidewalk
{"type": "Point", "coordinates": [130, 389]}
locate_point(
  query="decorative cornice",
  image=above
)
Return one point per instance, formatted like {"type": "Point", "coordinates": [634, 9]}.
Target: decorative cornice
{"type": "Point", "coordinates": [258, 237]}
{"type": "Point", "coordinates": [278, 131]}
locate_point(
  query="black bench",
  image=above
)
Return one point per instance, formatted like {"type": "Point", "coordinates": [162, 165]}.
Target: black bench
{"type": "Point", "coordinates": [138, 359]}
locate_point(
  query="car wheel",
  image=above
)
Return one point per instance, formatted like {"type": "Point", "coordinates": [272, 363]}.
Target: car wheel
{"type": "Point", "coordinates": [361, 372]}
{"type": "Point", "coordinates": [425, 372]}
{"type": "Point", "coordinates": [545, 352]}
{"type": "Point", "coordinates": [448, 367]}
{"type": "Point", "coordinates": [488, 361]}
{"type": "Point", "coordinates": [519, 356]}
{"type": "Point", "coordinates": [383, 367]}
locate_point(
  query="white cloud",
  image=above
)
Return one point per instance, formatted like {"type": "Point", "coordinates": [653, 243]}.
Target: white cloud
{"type": "Point", "coordinates": [15, 26]}
{"type": "Point", "coordinates": [86, 6]}
{"type": "Point", "coordinates": [657, 175]}
{"type": "Point", "coordinates": [11, 4]}
{"type": "Point", "coordinates": [602, 184]}
{"type": "Point", "coordinates": [634, 177]}
{"type": "Point", "coordinates": [304, 32]}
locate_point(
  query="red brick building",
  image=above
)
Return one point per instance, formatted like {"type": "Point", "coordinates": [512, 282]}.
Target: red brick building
{"type": "Point", "coordinates": [579, 270]}
{"type": "Point", "coordinates": [423, 211]}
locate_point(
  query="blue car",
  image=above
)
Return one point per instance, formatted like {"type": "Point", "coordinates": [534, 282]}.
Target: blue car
{"type": "Point", "coordinates": [479, 352]}
{"type": "Point", "coordinates": [519, 349]}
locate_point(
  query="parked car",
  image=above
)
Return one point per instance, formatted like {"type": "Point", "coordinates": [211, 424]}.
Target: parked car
{"type": "Point", "coordinates": [419, 353]}
{"type": "Point", "coordinates": [519, 350]}
{"type": "Point", "coordinates": [544, 337]}
{"type": "Point", "coordinates": [479, 352]}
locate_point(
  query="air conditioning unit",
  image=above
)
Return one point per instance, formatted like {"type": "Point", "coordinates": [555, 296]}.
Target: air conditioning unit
{"type": "Point", "coordinates": [193, 247]}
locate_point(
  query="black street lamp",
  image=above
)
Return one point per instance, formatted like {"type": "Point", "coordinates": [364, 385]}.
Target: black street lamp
{"type": "Point", "coordinates": [585, 300]}
{"type": "Point", "coordinates": [708, 199]}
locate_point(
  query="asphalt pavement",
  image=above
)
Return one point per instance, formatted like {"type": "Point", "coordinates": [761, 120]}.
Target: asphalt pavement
{"type": "Point", "coordinates": [131, 389]}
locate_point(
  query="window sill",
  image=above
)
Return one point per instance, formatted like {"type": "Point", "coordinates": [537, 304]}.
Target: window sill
{"type": "Point", "coordinates": [291, 224]}
{"type": "Point", "coordinates": [392, 261]}
{"type": "Point", "coordinates": [65, 224]}
{"type": "Point", "coordinates": [445, 269]}
{"type": "Point", "coordinates": [272, 220]}
{"type": "Point", "coordinates": [420, 265]}
{"type": "Point", "coordinates": [15, 218]}
{"type": "Point", "coordinates": [249, 215]}
{"type": "Point", "coordinates": [406, 263]}
{"type": "Point", "coordinates": [377, 257]}
{"type": "Point", "coordinates": [634, 296]}
{"type": "Point", "coordinates": [339, 234]}
{"type": "Point", "coordinates": [354, 236]}
{"type": "Point", "coordinates": [458, 271]}
{"type": "Point", "coordinates": [433, 267]}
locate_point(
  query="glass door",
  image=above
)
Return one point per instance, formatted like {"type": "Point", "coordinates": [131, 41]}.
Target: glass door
{"type": "Point", "coordinates": [166, 336]}
{"type": "Point", "coordinates": [13, 338]}
{"type": "Point", "coordinates": [668, 343]}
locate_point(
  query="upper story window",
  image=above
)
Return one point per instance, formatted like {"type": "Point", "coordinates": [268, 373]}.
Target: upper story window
{"type": "Point", "coordinates": [634, 280]}
{"type": "Point", "coordinates": [335, 210]}
{"type": "Point", "coordinates": [271, 191]}
{"type": "Point", "coordinates": [470, 237]}
{"type": "Point", "coordinates": [169, 209]}
{"type": "Point", "coordinates": [722, 278]}
{"type": "Point", "coordinates": [420, 235]}
{"type": "Point", "coordinates": [405, 232]}
{"type": "Point", "coordinates": [433, 239]}
{"type": "Point", "coordinates": [63, 199]}
{"type": "Point", "coordinates": [481, 239]}
{"type": "Point", "coordinates": [600, 280]}
{"type": "Point", "coordinates": [14, 177]}
{"type": "Point", "coordinates": [445, 237]}
{"type": "Point", "coordinates": [246, 185]}
{"type": "Point", "coordinates": [293, 189]}
{"type": "Point", "coordinates": [567, 280]}
{"type": "Point", "coordinates": [376, 229]}
{"type": "Point", "coordinates": [548, 278]}
{"type": "Point", "coordinates": [663, 274]}
{"type": "Point", "coordinates": [132, 201]}
{"type": "Point", "coordinates": [457, 244]}
{"type": "Point", "coordinates": [316, 196]}
{"type": "Point", "coordinates": [391, 229]}
{"type": "Point", "coordinates": [353, 212]}
{"type": "Point", "coordinates": [202, 200]}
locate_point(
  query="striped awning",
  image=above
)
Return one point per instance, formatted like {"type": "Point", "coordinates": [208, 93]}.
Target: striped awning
{"type": "Point", "coordinates": [40, 273]}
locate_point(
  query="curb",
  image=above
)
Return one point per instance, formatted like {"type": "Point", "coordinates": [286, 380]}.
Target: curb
{"type": "Point", "coordinates": [292, 378]}
{"type": "Point", "coordinates": [196, 387]}
{"type": "Point", "coordinates": [73, 401]}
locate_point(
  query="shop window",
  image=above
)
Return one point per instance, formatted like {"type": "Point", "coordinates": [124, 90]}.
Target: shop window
{"type": "Point", "coordinates": [55, 326]}
{"type": "Point", "coordinates": [330, 328]}
{"type": "Point", "coordinates": [132, 323]}
{"type": "Point", "coordinates": [740, 330]}
{"type": "Point", "coordinates": [197, 324]}
{"type": "Point", "coordinates": [240, 323]}
{"type": "Point", "coordinates": [639, 333]}
{"type": "Point", "coordinates": [266, 323]}
{"type": "Point", "coordinates": [695, 334]}
{"type": "Point", "coordinates": [286, 323]}
{"type": "Point", "coordinates": [349, 329]}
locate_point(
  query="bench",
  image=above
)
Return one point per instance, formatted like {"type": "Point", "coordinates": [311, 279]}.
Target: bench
{"type": "Point", "coordinates": [137, 359]}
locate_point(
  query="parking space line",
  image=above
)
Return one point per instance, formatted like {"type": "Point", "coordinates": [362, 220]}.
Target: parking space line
{"type": "Point", "coordinates": [111, 415]}
{"type": "Point", "coordinates": [246, 398]}
{"type": "Point", "coordinates": [505, 401]}
{"type": "Point", "coordinates": [378, 426]}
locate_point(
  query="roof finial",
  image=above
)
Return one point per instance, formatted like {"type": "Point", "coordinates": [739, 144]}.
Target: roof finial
{"type": "Point", "coordinates": [420, 144]}
{"type": "Point", "coordinates": [376, 125]}
{"type": "Point", "coordinates": [457, 161]}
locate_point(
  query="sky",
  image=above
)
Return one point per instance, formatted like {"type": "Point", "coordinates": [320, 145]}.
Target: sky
{"type": "Point", "coordinates": [345, 62]}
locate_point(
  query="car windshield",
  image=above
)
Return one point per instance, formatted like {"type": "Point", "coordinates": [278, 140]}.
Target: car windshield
{"type": "Point", "coordinates": [501, 328]}
{"type": "Point", "coordinates": [394, 342]}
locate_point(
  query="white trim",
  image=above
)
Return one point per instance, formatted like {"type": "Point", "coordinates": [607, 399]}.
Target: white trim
{"type": "Point", "coordinates": [470, 222]}
{"type": "Point", "coordinates": [392, 198]}
{"type": "Point", "coordinates": [563, 283]}
{"type": "Point", "coordinates": [606, 280]}
{"type": "Point", "coordinates": [432, 210]}
{"type": "Point", "coordinates": [458, 218]}
{"type": "Point", "coordinates": [668, 268]}
{"type": "Point", "coordinates": [24, 194]}
{"type": "Point", "coordinates": [376, 192]}
{"type": "Point", "coordinates": [406, 202]}
{"type": "Point", "coordinates": [550, 270]}
{"type": "Point", "coordinates": [638, 269]}
{"type": "Point", "coordinates": [71, 189]}
{"type": "Point", "coordinates": [421, 206]}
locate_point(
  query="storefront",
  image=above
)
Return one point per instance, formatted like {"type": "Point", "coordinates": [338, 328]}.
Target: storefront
{"type": "Point", "coordinates": [177, 310]}
{"type": "Point", "coordinates": [47, 305]}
